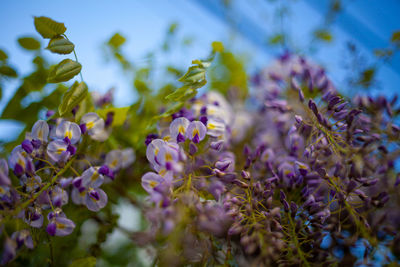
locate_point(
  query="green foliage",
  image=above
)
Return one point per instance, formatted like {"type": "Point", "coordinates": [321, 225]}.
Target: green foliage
{"type": "Point", "coordinates": [229, 74]}
{"type": "Point", "coordinates": [8, 71]}
{"type": "Point", "coordinates": [217, 47]}
{"type": "Point", "coordinates": [141, 87]}
{"type": "Point", "coordinates": [85, 262]}
{"type": "Point", "coordinates": [3, 55]}
{"type": "Point", "coordinates": [48, 28]}
{"type": "Point", "coordinates": [367, 77]}
{"type": "Point", "coordinates": [276, 39]}
{"type": "Point", "coordinates": [29, 43]}
{"type": "Point", "coordinates": [64, 71]}
{"type": "Point", "coordinates": [60, 45]}
{"type": "Point", "coordinates": [120, 115]}
{"type": "Point", "coordinates": [323, 35]}
{"type": "Point", "coordinates": [116, 41]}
{"type": "Point", "coordinates": [396, 38]}
{"type": "Point", "coordinates": [76, 93]}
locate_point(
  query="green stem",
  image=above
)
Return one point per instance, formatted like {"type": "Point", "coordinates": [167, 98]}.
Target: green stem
{"type": "Point", "coordinates": [296, 242]}
{"type": "Point", "coordinates": [35, 196]}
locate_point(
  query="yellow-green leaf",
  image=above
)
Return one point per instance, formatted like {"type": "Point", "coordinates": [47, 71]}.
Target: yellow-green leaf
{"type": "Point", "coordinates": [75, 94]}
{"type": "Point", "coordinates": [7, 71]}
{"type": "Point", "coordinates": [323, 35]}
{"type": "Point", "coordinates": [120, 115]}
{"type": "Point", "coordinates": [3, 55]}
{"type": "Point", "coordinates": [116, 41]}
{"type": "Point", "coordinates": [60, 45]}
{"type": "Point", "coordinates": [64, 71]}
{"type": "Point", "coordinates": [85, 262]}
{"type": "Point", "coordinates": [48, 28]}
{"type": "Point", "coordinates": [29, 43]}
{"type": "Point", "coordinates": [217, 47]}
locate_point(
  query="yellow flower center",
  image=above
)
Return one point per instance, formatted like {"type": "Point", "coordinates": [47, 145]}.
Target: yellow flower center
{"type": "Point", "coordinates": [211, 126]}
{"type": "Point", "coordinates": [181, 129]}
{"type": "Point", "coordinates": [95, 175]}
{"type": "Point", "coordinates": [68, 134]}
{"type": "Point", "coordinates": [196, 131]}
{"type": "Point", "coordinates": [89, 125]}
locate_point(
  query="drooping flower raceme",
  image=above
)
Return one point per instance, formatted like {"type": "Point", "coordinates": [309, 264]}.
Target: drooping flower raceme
{"type": "Point", "coordinates": [39, 164]}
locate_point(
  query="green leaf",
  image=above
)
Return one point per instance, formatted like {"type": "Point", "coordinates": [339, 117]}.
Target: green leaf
{"type": "Point", "coordinates": [217, 47]}
{"type": "Point", "coordinates": [323, 35]}
{"type": "Point", "coordinates": [276, 39]}
{"type": "Point", "coordinates": [60, 45]}
{"type": "Point", "coordinates": [85, 262]}
{"type": "Point", "coordinates": [396, 37]}
{"type": "Point", "coordinates": [76, 93]}
{"type": "Point", "coordinates": [3, 55]}
{"type": "Point", "coordinates": [48, 28]}
{"type": "Point", "coordinates": [141, 87]}
{"type": "Point", "coordinates": [120, 115]}
{"type": "Point", "coordinates": [183, 93]}
{"type": "Point", "coordinates": [29, 43]}
{"type": "Point", "coordinates": [64, 71]}
{"type": "Point", "coordinates": [8, 71]}
{"type": "Point", "coordinates": [116, 41]}
{"type": "Point", "coordinates": [172, 28]}
{"type": "Point", "coordinates": [194, 74]}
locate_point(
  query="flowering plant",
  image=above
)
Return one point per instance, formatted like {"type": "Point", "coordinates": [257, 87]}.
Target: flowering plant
{"type": "Point", "coordinates": [293, 173]}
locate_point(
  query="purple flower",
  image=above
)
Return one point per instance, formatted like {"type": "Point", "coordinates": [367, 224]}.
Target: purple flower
{"type": "Point", "coordinates": [152, 151]}
{"type": "Point", "coordinates": [94, 125]}
{"type": "Point", "coordinates": [20, 162]}
{"type": "Point", "coordinates": [95, 199]}
{"type": "Point", "coordinates": [58, 151]}
{"type": "Point", "coordinates": [70, 130]}
{"type": "Point", "coordinates": [58, 196]}
{"type": "Point", "coordinates": [177, 129]}
{"type": "Point", "coordinates": [92, 178]}
{"type": "Point", "coordinates": [196, 131]}
{"type": "Point", "coordinates": [150, 180]}
{"type": "Point", "coordinates": [34, 217]}
{"type": "Point", "coordinates": [9, 251]}
{"type": "Point", "coordinates": [4, 179]}
{"type": "Point", "coordinates": [23, 237]}
{"type": "Point", "coordinates": [215, 127]}
{"type": "Point", "coordinates": [27, 146]}
{"type": "Point", "coordinates": [60, 226]}
{"type": "Point", "coordinates": [40, 131]}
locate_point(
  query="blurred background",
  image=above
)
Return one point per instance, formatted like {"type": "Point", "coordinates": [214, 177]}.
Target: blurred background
{"type": "Point", "coordinates": [355, 40]}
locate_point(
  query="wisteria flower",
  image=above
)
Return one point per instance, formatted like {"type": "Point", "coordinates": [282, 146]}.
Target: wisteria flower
{"type": "Point", "coordinates": [40, 131]}
{"type": "Point", "coordinates": [91, 177]}
{"type": "Point", "coordinates": [4, 179]}
{"type": "Point", "coordinates": [95, 199]}
{"type": "Point", "coordinates": [178, 128]}
{"type": "Point", "coordinates": [59, 150]}
{"type": "Point", "coordinates": [60, 226]}
{"type": "Point", "coordinates": [196, 131]}
{"type": "Point", "coordinates": [92, 124]}
{"type": "Point", "coordinates": [20, 162]}
{"type": "Point", "coordinates": [70, 130]}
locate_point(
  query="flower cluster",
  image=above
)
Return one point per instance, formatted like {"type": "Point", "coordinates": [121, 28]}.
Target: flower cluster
{"type": "Point", "coordinates": [271, 185]}
{"type": "Point", "coordinates": [52, 165]}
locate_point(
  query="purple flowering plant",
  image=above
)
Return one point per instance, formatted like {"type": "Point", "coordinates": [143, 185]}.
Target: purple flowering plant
{"type": "Point", "coordinates": [289, 173]}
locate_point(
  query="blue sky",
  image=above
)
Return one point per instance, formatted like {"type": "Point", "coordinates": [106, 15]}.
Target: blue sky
{"type": "Point", "coordinates": [144, 23]}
